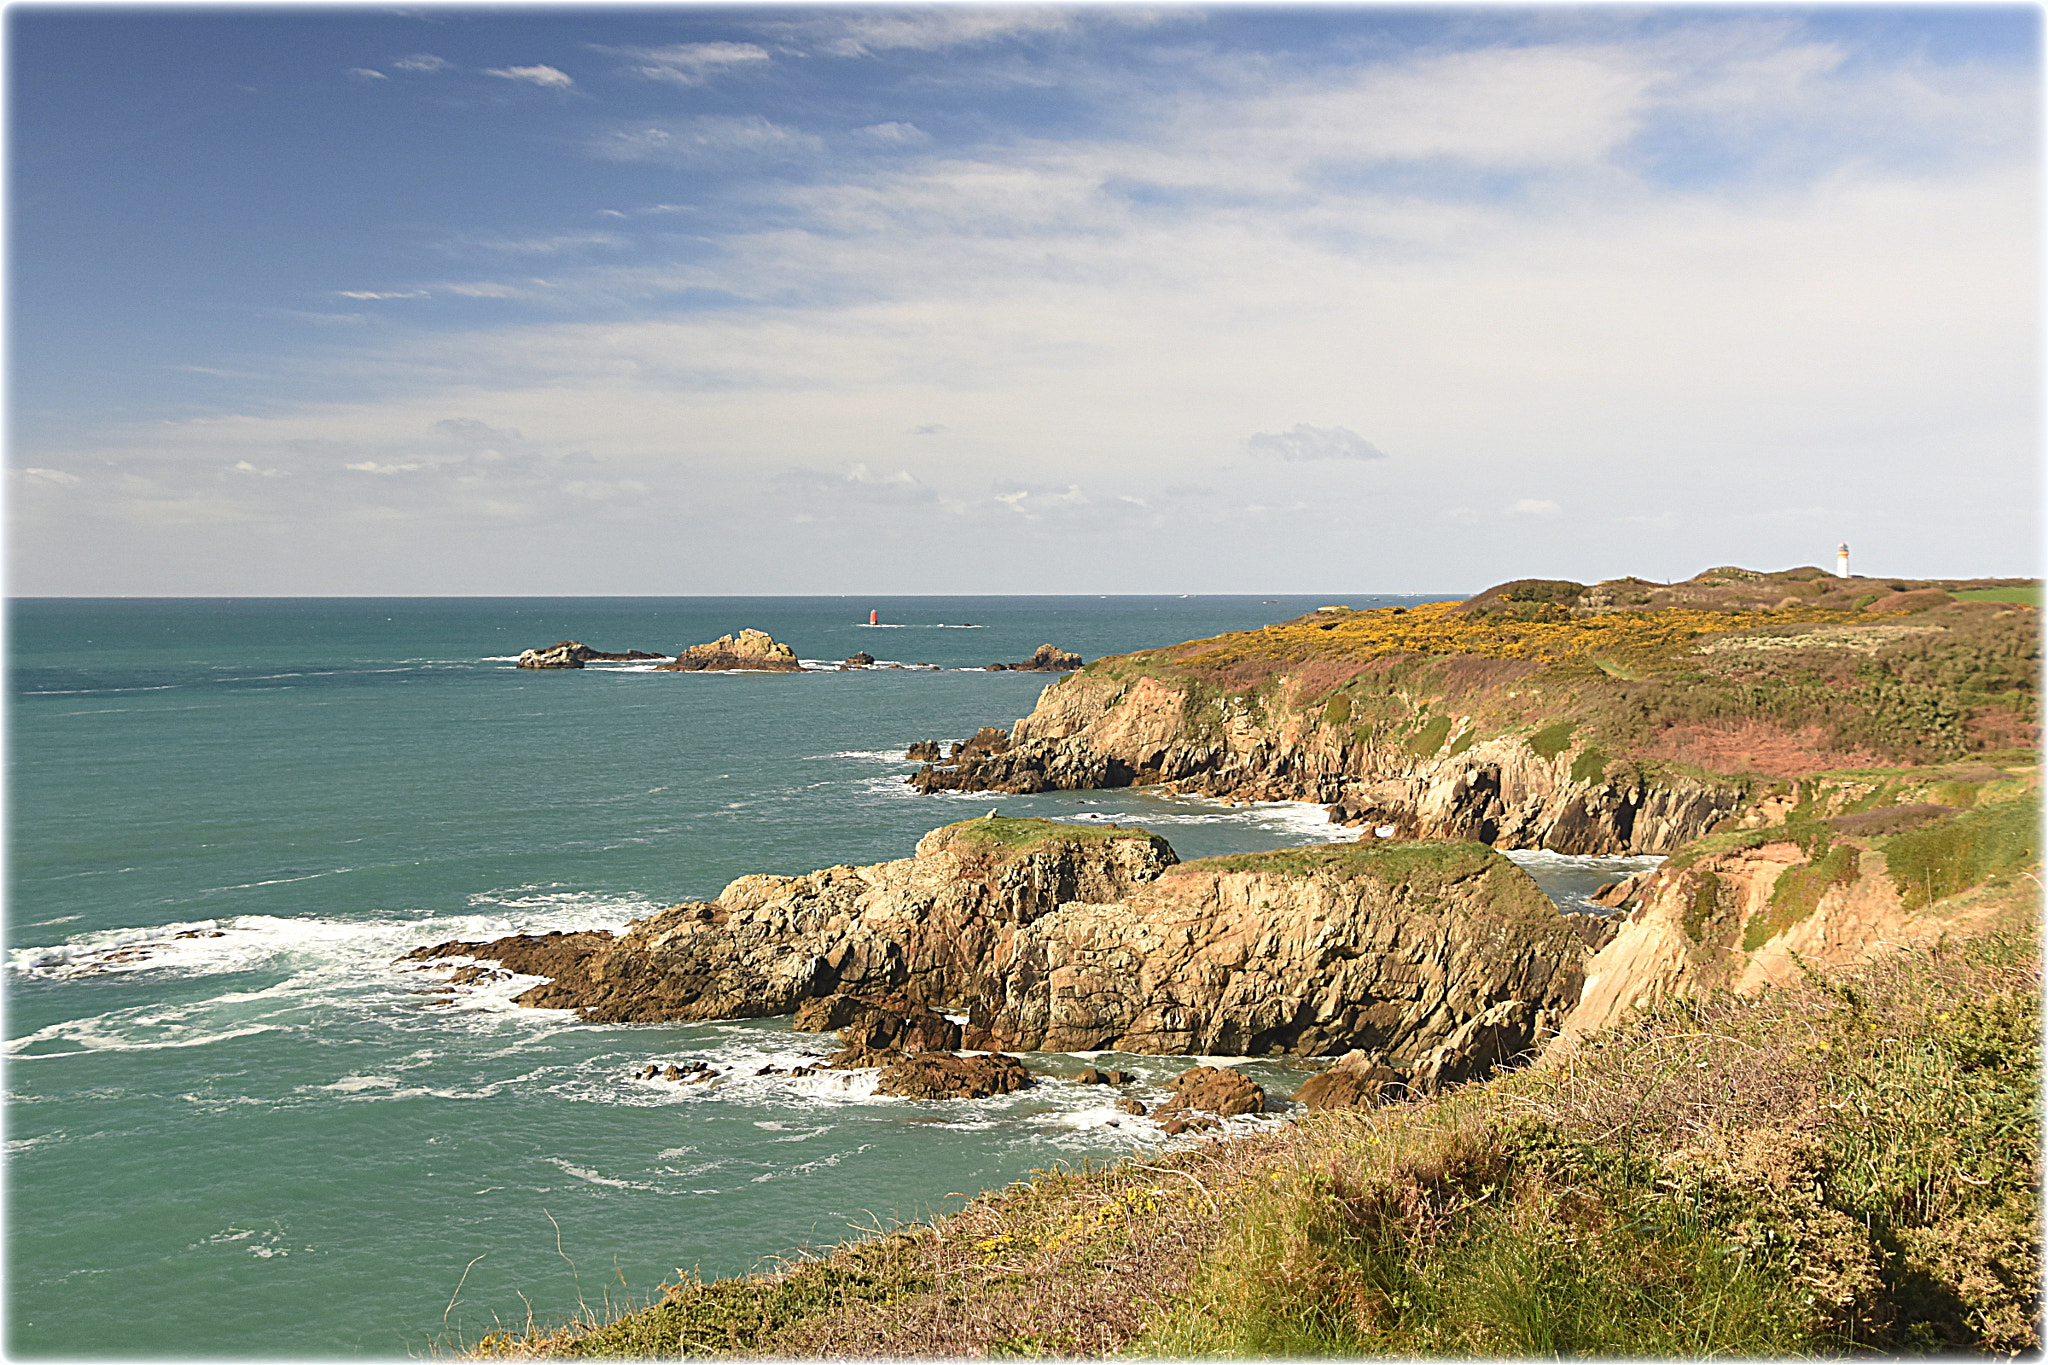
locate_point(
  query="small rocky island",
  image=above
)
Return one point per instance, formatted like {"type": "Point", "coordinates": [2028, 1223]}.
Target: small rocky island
{"type": "Point", "coordinates": [751, 650]}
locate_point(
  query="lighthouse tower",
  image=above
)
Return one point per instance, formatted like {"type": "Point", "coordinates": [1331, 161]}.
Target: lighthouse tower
{"type": "Point", "coordinates": [1842, 560]}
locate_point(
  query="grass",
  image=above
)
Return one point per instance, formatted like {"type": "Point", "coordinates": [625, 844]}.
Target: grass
{"type": "Point", "coordinates": [2028, 594]}
{"type": "Point", "coordinates": [1845, 1165]}
{"type": "Point", "coordinates": [1983, 844]}
{"type": "Point", "coordinates": [1850, 1164]}
{"type": "Point", "coordinates": [1020, 834]}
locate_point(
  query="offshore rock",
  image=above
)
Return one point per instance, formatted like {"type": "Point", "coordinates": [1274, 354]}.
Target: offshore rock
{"type": "Point", "coordinates": [946, 1076]}
{"type": "Point", "coordinates": [1219, 1090]}
{"type": "Point", "coordinates": [1046, 658]}
{"type": "Point", "coordinates": [575, 654]}
{"type": "Point", "coordinates": [1066, 938]}
{"type": "Point", "coordinates": [751, 649]}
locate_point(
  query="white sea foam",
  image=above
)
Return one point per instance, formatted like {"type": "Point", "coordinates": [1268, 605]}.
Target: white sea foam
{"type": "Point", "coordinates": [1530, 859]}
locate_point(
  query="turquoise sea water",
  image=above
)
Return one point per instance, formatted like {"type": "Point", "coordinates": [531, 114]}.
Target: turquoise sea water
{"type": "Point", "coordinates": [235, 1127]}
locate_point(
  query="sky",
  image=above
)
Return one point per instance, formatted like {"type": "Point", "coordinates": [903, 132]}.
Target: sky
{"type": "Point", "coordinates": [679, 300]}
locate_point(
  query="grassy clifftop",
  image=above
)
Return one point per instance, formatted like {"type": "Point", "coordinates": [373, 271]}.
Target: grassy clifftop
{"type": "Point", "coordinates": [1848, 1164]}
{"type": "Point", "coordinates": [1730, 672]}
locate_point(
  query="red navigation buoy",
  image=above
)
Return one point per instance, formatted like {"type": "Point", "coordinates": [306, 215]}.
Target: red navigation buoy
{"type": "Point", "coordinates": [874, 618]}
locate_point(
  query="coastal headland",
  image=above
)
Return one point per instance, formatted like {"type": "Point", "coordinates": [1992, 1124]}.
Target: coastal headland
{"type": "Point", "coordinates": [1782, 1097]}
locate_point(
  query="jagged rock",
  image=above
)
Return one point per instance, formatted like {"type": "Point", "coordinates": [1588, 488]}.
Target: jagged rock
{"type": "Point", "coordinates": [1357, 1080]}
{"type": "Point", "coordinates": [1219, 1090]}
{"type": "Point", "coordinates": [750, 649]}
{"type": "Point", "coordinates": [1505, 1034]}
{"type": "Point", "coordinates": [1130, 1106]}
{"type": "Point", "coordinates": [945, 1075]}
{"type": "Point", "coordinates": [924, 751]}
{"type": "Point", "coordinates": [1178, 1121]}
{"type": "Point", "coordinates": [1093, 939]}
{"type": "Point", "coordinates": [575, 654]}
{"type": "Point", "coordinates": [1048, 659]}
{"type": "Point", "coordinates": [871, 1031]}
{"type": "Point", "coordinates": [859, 659]}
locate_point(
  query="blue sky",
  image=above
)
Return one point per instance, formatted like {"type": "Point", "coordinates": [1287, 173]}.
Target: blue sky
{"type": "Point", "coordinates": [1099, 299]}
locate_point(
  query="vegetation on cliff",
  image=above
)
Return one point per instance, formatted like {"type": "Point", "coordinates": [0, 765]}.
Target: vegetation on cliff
{"type": "Point", "coordinates": [1849, 1163]}
{"type": "Point", "coordinates": [1889, 670]}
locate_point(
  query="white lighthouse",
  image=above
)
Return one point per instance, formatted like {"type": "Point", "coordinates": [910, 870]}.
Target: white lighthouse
{"type": "Point", "coordinates": [1842, 560]}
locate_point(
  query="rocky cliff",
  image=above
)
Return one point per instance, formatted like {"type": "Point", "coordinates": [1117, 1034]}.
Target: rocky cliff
{"type": "Point", "coordinates": [1624, 717]}
{"type": "Point", "coordinates": [1053, 936]}
{"type": "Point", "coordinates": [1828, 873]}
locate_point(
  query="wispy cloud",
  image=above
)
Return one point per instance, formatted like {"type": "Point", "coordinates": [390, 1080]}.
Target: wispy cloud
{"type": "Point", "coordinates": [1304, 442]}
{"type": "Point", "coordinates": [424, 63]}
{"type": "Point", "coordinates": [687, 63]}
{"type": "Point", "coordinates": [1534, 507]}
{"type": "Point", "coordinates": [364, 73]}
{"type": "Point", "coordinates": [706, 137]}
{"type": "Point", "coordinates": [858, 34]}
{"type": "Point", "coordinates": [547, 77]}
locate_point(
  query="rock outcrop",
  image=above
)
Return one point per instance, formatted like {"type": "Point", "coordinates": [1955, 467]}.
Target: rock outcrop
{"type": "Point", "coordinates": [575, 654]}
{"type": "Point", "coordinates": [1045, 659]}
{"type": "Point", "coordinates": [754, 650]}
{"type": "Point", "coordinates": [1060, 937]}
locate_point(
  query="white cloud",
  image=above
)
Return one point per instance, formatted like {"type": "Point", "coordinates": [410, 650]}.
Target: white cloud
{"type": "Point", "coordinates": [426, 63]}
{"type": "Point", "coordinates": [364, 73]}
{"type": "Point", "coordinates": [1303, 442]}
{"type": "Point", "coordinates": [380, 294]}
{"type": "Point", "coordinates": [927, 30]}
{"type": "Point", "coordinates": [710, 136]}
{"type": "Point", "coordinates": [895, 134]}
{"type": "Point", "coordinates": [372, 467]}
{"type": "Point", "coordinates": [51, 476]}
{"type": "Point", "coordinates": [547, 77]}
{"type": "Point", "coordinates": [687, 63]}
{"type": "Point", "coordinates": [1534, 507]}
{"type": "Point", "coordinates": [244, 467]}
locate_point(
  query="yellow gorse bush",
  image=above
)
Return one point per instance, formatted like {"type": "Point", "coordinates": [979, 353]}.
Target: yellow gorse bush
{"type": "Point", "coordinates": [1438, 628]}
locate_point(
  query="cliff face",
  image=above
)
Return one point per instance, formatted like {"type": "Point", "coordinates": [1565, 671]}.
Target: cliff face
{"type": "Point", "coordinates": [1622, 718]}
{"type": "Point", "coordinates": [1057, 937]}
{"type": "Point", "coordinates": [1108, 731]}
{"type": "Point", "coordinates": [1802, 887]}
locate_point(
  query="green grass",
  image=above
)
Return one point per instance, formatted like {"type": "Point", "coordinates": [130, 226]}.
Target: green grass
{"type": "Point", "coordinates": [1847, 1165]}
{"type": "Point", "coordinates": [1589, 766]}
{"type": "Point", "coordinates": [1797, 894]}
{"type": "Point", "coordinates": [1978, 846]}
{"type": "Point", "coordinates": [2028, 594]}
{"type": "Point", "coordinates": [1552, 739]}
{"type": "Point", "coordinates": [1392, 861]}
{"type": "Point", "coordinates": [1429, 737]}
{"type": "Point", "coordinates": [1018, 834]}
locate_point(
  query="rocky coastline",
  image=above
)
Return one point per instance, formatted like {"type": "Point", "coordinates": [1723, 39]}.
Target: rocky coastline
{"type": "Point", "coordinates": [1620, 718]}
{"type": "Point", "coordinates": [757, 651]}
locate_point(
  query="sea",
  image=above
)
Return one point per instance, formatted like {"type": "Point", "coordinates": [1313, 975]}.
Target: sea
{"type": "Point", "coordinates": [237, 1126]}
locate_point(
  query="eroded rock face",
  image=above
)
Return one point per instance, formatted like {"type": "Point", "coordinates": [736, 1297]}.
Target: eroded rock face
{"type": "Point", "coordinates": [1063, 938]}
{"type": "Point", "coordinates": [751, 649]}
{"type": "Point", "coordinates": [1088, 732]}
{"type": "Point", "coordinates": [1358, 1080]}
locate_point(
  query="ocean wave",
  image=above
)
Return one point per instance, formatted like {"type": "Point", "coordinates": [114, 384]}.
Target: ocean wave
{"type": "Point", "coordinates": [1543, 858]}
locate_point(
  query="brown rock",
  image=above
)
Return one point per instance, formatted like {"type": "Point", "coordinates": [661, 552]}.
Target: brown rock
{"type": "Point", "coordinates": [753, 650]}
{"type": "Point", "coordinates": [1357, 1080]}
{"type": "Point", "coordinates": [945, 1075]}
{"type": "Point", "coordinates": [575, 654]}
{"type": "Point", "coordinates": [925, 751]}
{"type": "Point", "coordinates": [1130, 1106]}
{"type": "Point", "coordinates": [1048, 659]}
{"type": "Point", "coordinates": [859, 659]}
{"type": "Point", "coordinates": [1178, 1121]}
{"type": "Point", "coordinates": [1219, 1090]}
